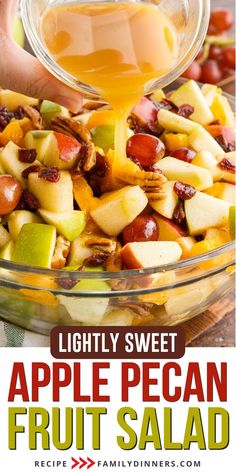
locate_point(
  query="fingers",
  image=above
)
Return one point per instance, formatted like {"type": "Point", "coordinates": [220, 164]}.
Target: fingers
{"type": "Point", "coordinates": [8, 9]}
{"type": "Point", "coordinates": [23, 73]}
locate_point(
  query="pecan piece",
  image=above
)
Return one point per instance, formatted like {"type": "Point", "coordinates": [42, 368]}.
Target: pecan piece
{"type": "Point", "coordinates": [61, 252]}
{"type": "Point", "coordinates": [100, 243]}
{"type": "Point", "coordinates": [35, 117]}
{"type": "Point", "coordinates": [140, 309]}
{"type": "Point", "coordinates": [71, 127]}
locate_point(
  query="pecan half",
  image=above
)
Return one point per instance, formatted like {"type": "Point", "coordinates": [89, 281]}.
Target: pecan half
{"type": "Point", "coordinates": [71, 127]}
{"type": "Point", "coordinates": [61, 252]}
{"type": "Point", "coordinates": [35, 117]}
{"type": "Point", "coordinates": [140, 309]}
{"type": "Point", "coordinates": [100, 243]}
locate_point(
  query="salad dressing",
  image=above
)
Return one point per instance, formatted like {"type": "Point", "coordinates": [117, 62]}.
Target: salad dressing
{"type": "Point", "coordinates": [116, 48]}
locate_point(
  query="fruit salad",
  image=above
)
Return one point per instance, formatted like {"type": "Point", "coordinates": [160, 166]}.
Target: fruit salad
{"type": "Point", "coordinates": [63, 205]}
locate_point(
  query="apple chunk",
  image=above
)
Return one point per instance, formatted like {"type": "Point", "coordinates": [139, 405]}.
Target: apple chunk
{"type": "Point", "coordinates": [118, 209]}
{"type": "Point", "coordinates": [223, 190]}
{"type": "Point", "coordinates": [150, 254]}
{"type": "Point", "coordinates": [168, 231]}
{"type": "Point", "coordinates": [176, 123]}
{"type": "Point", "coordinates": [167, 205]}
{"type": "Point", "coordinates": [54, 149]}
{"type": "Point", "coordinates": [191, 93]}
{"type": "Point", "coordinates": [50, 110]}
{"type": "Point", "coordinates": [70, 224]}
{"type": "Point", "coordinates": [204, 211]}
{"type": "Point", "coordinates": [19, 218]}
{"type": "Point", "coordinates": [35, 245]}
{"type": "Point", "coordinates": [196, 176]}
{"type": "Point", "coordinates": [200, 140]}
{"type": "Point", "coordinates": [206, 160]}
{"type": "Point", "coordinates": [9, 159]}
{"type": "Point", "coordinates": [53, 196]}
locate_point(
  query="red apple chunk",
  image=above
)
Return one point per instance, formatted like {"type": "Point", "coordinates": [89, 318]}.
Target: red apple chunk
{"type": "Point", "coordinates": [68, 146]}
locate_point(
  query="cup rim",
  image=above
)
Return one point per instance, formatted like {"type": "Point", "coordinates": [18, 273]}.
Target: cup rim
{"type": "Point", "coordinates": [87, 90]}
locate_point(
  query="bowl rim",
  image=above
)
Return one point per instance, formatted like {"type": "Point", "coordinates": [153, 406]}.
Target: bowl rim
{"type": "Point", "coordinates": [123, 274]}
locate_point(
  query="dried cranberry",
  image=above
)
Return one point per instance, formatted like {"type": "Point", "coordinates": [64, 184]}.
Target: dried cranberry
{"type": "Point", "coordinates": [226, 145]}
{"type": "Point", "coordinates": [96, 260]}
{"type": "Point", "coordinates": [152, 169]}
{"type": "Point", "coordinates": [167, 105]}
{"type": "Point", "coordinates": [184, 191]}
{"type": "Point", "coordinates": [67, 283]}
{"type": "Point", "coordinates": [227, 165]}
{"type": "Point", "coordinates": [179, 214]}
{"type": "Point", "coordinates": [27, 155]}
{"type": "Point", "coordinates": [51, 174]}
{"type": "Point", "coordinates": [185, 110]}
{"type": "Point", "coordinates": [101, 166]}
{"type": "Point", "coordinates": [5, 117]}
{"type": "Point", "coordinates": [20, 113]}
{"type": "Point", "coordinates": [29, 170]}
{"type": "Point", "coordinates": [29, 201]}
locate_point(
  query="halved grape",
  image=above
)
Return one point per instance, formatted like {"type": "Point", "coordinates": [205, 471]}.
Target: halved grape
{"type": "Point", "coordinates": [145, 148]}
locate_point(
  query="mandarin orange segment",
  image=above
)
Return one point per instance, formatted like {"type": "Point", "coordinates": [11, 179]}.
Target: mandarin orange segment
{"type": "Point", "coordinates": [101, 118]}
{"type": "Point", "coordinates": [41, 296]}
{"type": "Point", "coordinates": [12, 132]}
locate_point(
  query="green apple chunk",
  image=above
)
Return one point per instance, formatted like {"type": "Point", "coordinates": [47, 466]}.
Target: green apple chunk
{"type": "Point", "coordinates": [35, 245]}
{"type": "Point", "coordinates": [232, 221]}
{"type": "Point", "coordinates": [200, 140]}
{"type": "Point", "coordinates": [119, 208]}
{"type": "Point", "coordinates": [175, 169]}
{"type": "Point", "coordinates": [70, 224]}
{"type": "Point", "coordinates": [79, 252]}
{"type": "Point", "coordinates": [53, 196]}
{"type": "Point", "coordinates": [204, 211]}
{"type": "Point", "coordinates": [223, 190]}
{"type": "Point", "coordinates": [176, 123]}
{"type": "Point", "coordinates": [18, 32]}
{"type": "Point", "coordinates": [19, 218]}
{"type": "Point", "coordinates": [191, 94]}
{"type": "Point", "coordinates": [54, 149]}
{"type": "Point", "coordinates": [87, 310]}
{"type": "Point", "coordinates": [206, 160]}
{"type": "Point", "coordinates": [103, 136]}
{"type": "Point", "coordinates": [4, 236]}
{"type": "Point", "coordinates": [9, 159]}
{"type": "Point", "coordinates": [50, 110]}
{"type": "Point", "coordinates": [13, 100]}
{"type": "Point", "coordinates": [167, 205]}
{"type": "Point", "coordinates": [6, 251]}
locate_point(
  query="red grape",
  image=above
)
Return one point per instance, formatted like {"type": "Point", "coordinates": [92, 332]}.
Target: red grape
{"type": "Point", "coordinates": [215, 52]}
{"type": "Point", "coordinates": [143, 228]}
{"type": "Point", "coordinates": [183, 154]}
{"type": "Point", "coordinates": [10, 194]}
{"type": "Point", "coordinates": [211, 72]}
{"type": "Point", "coordinates": [229, 56]}
{"type": "Point", "coordinates": [221, 20]}
{"type": "Point", "coordinates": [193, 72]}
{"type": "Point", "coordinates": [145, 148]}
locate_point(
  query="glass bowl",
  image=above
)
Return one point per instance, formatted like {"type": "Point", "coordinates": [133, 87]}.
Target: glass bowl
{"type": "Point", "coordinates": [38, 299]}
{"type": "Point", "coordinates": [189, 16]}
